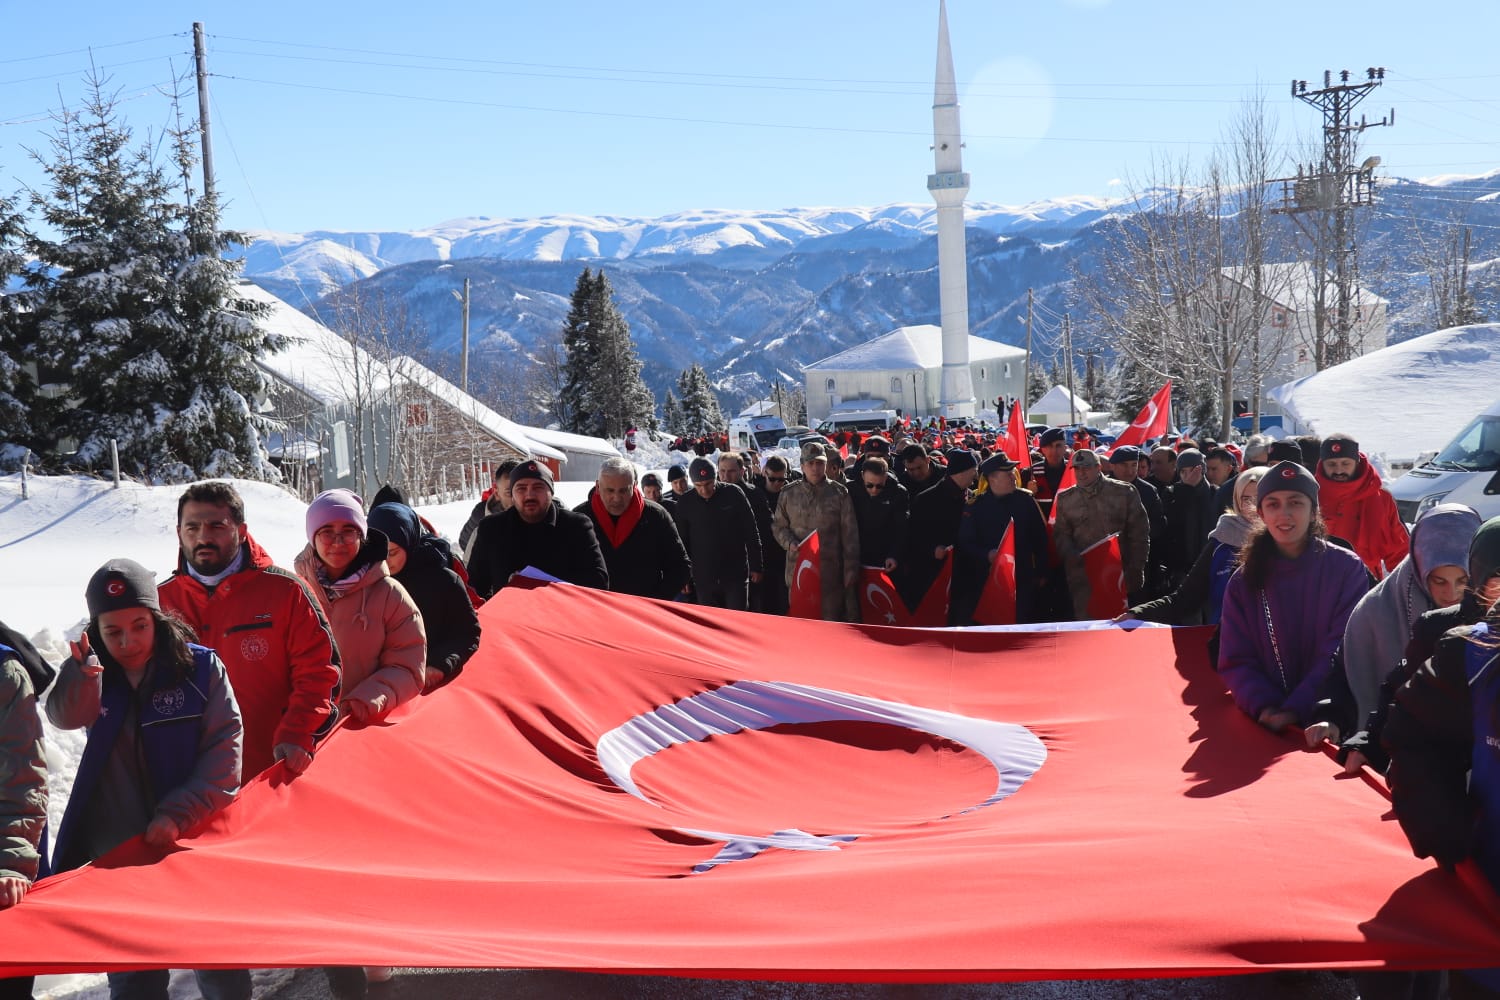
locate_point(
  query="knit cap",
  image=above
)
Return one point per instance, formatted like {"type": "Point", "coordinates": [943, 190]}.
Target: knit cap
{"type": "Point", "coordinates": [332, 506]}
{"type": "Point", "coordinates": [530, 469]}
{"type": "Point", "coordinates": [120, 584]}
{"type": "Point", "coordinates": [1287, 476]}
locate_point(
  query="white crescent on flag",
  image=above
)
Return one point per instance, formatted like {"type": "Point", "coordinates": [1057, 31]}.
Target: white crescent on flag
{"type": "Point", "coordinates": [888, 610]}
{"type": "Point", "coordinates": [1015, 752]}
{"type": "Point", "coordinates": [1150, 415]}
{"type": "Point", "coordinates": [797, 577]}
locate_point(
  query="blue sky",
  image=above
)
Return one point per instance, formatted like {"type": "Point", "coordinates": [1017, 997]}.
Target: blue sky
{"type": "Point", "coordinates": [394, 117]}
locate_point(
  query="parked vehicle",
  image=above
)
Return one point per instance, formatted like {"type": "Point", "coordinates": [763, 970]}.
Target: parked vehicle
{"type": "Point", "coordinates": [755, 433]}
{"type": "Point", "coordinates": [858, 420]}
{"type": "Point", "coordinates": [1467, 471]}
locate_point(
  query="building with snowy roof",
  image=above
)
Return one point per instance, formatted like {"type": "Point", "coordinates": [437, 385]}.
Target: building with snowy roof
{"type": "Point", "coordinates": [903, 371]}
{"type": "Point", "coordinates": [1402, 401]}
{"type": "Point", "coordinates": [347, 418]}
{"type": "Point", "coordinates": [1059, 408]}
{"type": "Point", "coordinates": [584, 454]}
{"type": "Point", "coordinates": [1292, 296]}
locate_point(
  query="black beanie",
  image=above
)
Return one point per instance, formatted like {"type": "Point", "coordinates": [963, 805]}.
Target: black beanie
{"type": "Point", "coordinates": [1338, 446]}
{"type": "Point", "coordinates": [1287, 476]}
{"type": "Point", "coordinates": [530, 469]}
{"type": "Point", "coordinates": [119, 584]}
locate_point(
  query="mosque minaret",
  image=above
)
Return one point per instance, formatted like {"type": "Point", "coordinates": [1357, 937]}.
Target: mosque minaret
{"type": "Point", "coordinates": [948, 185]}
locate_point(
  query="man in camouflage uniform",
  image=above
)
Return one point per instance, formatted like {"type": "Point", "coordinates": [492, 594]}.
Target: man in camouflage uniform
{"type": "Point", "coordinates": [817, 503]}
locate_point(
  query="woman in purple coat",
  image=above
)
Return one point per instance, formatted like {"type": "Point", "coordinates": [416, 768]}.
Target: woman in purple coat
{"type": "Point", "coordinates": [1286, 606]}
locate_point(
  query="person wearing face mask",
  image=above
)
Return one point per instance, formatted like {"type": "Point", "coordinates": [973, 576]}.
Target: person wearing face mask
{"type": "Point", "coordinates": [1286, 607]}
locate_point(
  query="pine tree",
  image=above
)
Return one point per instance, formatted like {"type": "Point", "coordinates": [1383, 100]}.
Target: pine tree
{"type": "Point", "coordinates": [700, 407]}
{"type": "Point", "coordinates": [604, 394]}
{"type": "Point", "coordinates": [671, 414]}
{"type": "Point", "coordinates": [17, 389]}
{"type": "Point", "coordinates": [131, 299]}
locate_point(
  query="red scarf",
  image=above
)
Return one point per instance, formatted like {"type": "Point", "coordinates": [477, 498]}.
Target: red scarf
{"type": "Point", "coordinates": [616, 531]}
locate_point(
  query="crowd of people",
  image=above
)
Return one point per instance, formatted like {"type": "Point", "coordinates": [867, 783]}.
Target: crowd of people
{"type": "Point", "coordinates": [1331, 620]}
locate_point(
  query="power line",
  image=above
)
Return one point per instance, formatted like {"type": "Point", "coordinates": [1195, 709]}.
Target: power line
{"type": "Point", "coordinates": [88, 49]}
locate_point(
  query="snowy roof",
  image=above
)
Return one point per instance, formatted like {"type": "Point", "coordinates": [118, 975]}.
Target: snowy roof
{"type": "Point", "coordinates": [909, 347]}
{"type": "Point", "coordinates": [1291, 285]}
{"type": "Point", "coordinates": [1402, 400]}
{"type": "Point", "coordinates": [582, 444]}
{"type": "Point", "coordinates": [317, 361]}
{"type": "Point", "coordinates": [1057, 400]}
{"type": "Point", "coordinates": [507, 431]}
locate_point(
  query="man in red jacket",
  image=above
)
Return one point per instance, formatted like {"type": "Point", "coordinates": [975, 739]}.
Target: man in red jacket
{"type": "Point", "coordinates": [1357, 507]}
{"type": "Point", "coordinates": [267, 629]}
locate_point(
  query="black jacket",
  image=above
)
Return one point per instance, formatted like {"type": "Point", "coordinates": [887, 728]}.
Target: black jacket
{"type": "Point", "coordinates": [447, 614]}
{"type": "Point", "coordinates": [650, 561]}
{"type": "Point", "coordinates": [882, 520]}
{"type": "Point", "coordinates": [934, 518]}
{"type": "Point", "coordinates": [719, 534]}
{"type": "Point", "coordinates": [981, 527]}
{"type": "Point", "coordinates": [1190, 517]}
{"type": "Point", "coordinates": [561, 544]}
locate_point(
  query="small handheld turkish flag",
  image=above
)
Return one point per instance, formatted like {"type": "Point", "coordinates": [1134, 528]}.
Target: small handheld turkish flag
{"type": "Point", "coordinates": [806, 598]}
{"type": "Point", "coordinates": [1106, 573]}
{"type": "Point", "coordinates": [878, 602]}
{"type": "Point", "coordinates": [997, 602]}
{"type": "Point", "coordinates": [1152, 420]}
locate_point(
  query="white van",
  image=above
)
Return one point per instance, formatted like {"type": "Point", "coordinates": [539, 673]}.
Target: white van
{"type": "Point", "coordinates": [858, 420]}
{"type": "Point", "coordinates": [1467, 471]}
{"type": "Point", "coordinates": [755, 433]}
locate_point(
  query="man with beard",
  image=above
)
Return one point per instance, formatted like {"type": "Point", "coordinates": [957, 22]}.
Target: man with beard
{"type": "Point", "coordinates": [1357, 507]}
{"type": "Point", "coordinates": [260, 619]}
{"type": "Point", "coordinates": [536, 532]}
{"type": "Point", "coordinates": [638, 537]}
{"type": "Point", "coordinates": [1089, 512]}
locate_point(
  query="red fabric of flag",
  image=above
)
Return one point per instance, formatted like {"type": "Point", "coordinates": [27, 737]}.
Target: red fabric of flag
{"type": "Point", "coordinates": [1014, 438]}
{"type": "Point", "coordinates": [879, 604]}
{"type": "Point", "coordinates": [612, 784]}
{"type": "Point", "coordinates": [932, 611]}
{"type": "Point", "coordinates": [1106, 573]}
{"type": "Point", "coordinates": [1152, 420]}
{"type": "Point", "coordinates": [806, 597]}
{"type": "Point", "coordinates": [997, 601]}
{"type": "Point", "coordinates": [1068, 479]}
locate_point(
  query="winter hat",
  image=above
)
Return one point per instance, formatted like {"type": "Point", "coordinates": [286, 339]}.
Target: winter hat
{"type": "Point", "coordinates": [388, 494]}
{"type": "Point", "coordinates": [336, 505]}
{"type": "Point", "coordinates": [119, 584]}
{"type": "Point", "coordinates": [1484, 553]}
{"type": "Point", "coordinates": [675, 473]}
{"type": "Point", "coordinates": [960, 460]}
{"type": "Point", "coordinates": [1441, 537]}
{"type": "Point", "coordinates": [876, 442]}
{"type": "Point", "coordinates": [998, 462]}
{"type": "Point", "coordinates": [531, 469]}
{"type": "Point", "coordinates": [1340, 446]}
{"type": "Point", "coordinates": [1287, 476]}
{"type": "Point", "coordinates": [397, 522]}
{"type": "Point", "coordinates": [1189, 458]}
{"type": "Point", "coordinates": [1285, 450]}
{"type": "Point", "coordinates": [703, 471]}
{"type": "Point", "coordinates": [1052, 435]}
{"type": "Point", "coordinates": [1125, 453]}
{"type": "Point", "coordinates": [651, 479]}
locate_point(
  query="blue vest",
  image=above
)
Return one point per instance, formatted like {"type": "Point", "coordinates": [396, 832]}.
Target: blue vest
{"type": "Point", "coordinates": [1480, 661]}
{"type": "Point", "coordinates": [169, 720]}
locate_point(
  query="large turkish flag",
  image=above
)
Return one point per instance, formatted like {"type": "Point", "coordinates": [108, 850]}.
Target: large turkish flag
{"type": "Point", "coordinates": [614, 784]}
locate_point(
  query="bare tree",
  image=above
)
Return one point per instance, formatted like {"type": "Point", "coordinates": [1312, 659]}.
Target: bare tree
{"type": "Point", "coordinates": [1445, 260]}
{"type": "Point", "coordinates": [1183, 287]}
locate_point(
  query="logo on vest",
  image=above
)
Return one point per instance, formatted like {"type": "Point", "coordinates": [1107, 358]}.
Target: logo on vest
{"type": "Point", "coordinates": [254, 647]}
{"type": "Point", "coordinates": [167, 702]}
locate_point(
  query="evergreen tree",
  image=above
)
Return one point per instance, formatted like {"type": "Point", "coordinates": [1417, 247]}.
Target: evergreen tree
{"type": "Point", "coordinates": [17, 389]}
{"type": "Point", "coordinates": [700, 407]}
{"type": "Point", "coordinates": [604, 394]}
{"type": "Point", "coordinates": [132, 300]}
{"type": "Point", "coordinates": [671, 414]}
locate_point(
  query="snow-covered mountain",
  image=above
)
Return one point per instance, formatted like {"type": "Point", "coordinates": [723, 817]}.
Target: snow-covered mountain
{"type": "Point", "coordinates": [755, 295]}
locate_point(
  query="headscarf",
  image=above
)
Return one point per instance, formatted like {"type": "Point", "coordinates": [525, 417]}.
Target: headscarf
{"type": "Point", "coordinates": [1233, 527]}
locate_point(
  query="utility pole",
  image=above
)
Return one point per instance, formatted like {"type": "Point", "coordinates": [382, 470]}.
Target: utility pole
{"type": "Point", "coordinates": [463, 364]}
{"type": "Point", "coordinates": [200, 56]}
{"type": "Point", "coordinates": [1026, 378]}
{"type": "Point", "coordinates": [1322, 199]}
{"type": "Point", "coordinates": [1068, 351]}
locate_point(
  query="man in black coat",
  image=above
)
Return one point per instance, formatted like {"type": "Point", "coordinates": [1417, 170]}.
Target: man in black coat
{"type": "Point", "coordinates": [1192, 512]}
{"type": "Point", "coordinates": [638, 537]}
{"type": "Point", "coordinates": [932, 527]}
{"type": "Point", "coordinates": [880, 507]}
{"type": "Point", "coordinates": [718, 530]}
{"type": "Point", "coordinates": [773, 592]}
{"type": "Point", "coordinates": [537, 532]}
{"type": "Point", "coordinates": [495, 500]}
{"type": "Point", "coordinates": [1125, 466]}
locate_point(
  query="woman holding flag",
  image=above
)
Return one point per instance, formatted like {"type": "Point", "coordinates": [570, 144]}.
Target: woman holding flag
{"type": "Point", "coordinates": [1002, 550]}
